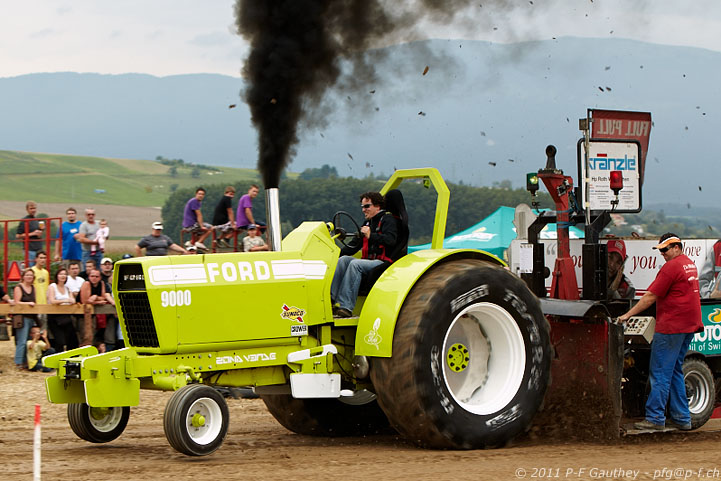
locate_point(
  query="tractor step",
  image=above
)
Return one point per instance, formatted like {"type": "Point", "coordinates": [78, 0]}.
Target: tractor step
{"type": "Point", "coordinates": [628, 429]}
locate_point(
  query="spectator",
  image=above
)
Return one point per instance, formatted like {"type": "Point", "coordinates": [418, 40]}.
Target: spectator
{"type": "Point", "coordinates": [37, 348]}
{"type": "Point", "coordinates": [193, 219]}
{"type": "Point", "coordinates": [111, 321]}
{"type": "Point", "coordinates": [86, 237]}
{"type": "Point", "coordinates": [223, 218]}
{"type": "Point", "coordinates": [72, 250]}
{"type": "Point", "coordinates": [678, 316]}
{"type": "Point", "coordinates": [157, 244]}
{"type": "Point", "coordinates": [253, 242]}
{"type": "Point", "coordinates": [32, 230]}
{"type": "Point", "coordinates": [708, 278]}
{"type": "Point", "coordinates": [619, 286]}
{"type": "Point", "coordinates": [90, 264]}
{"type": "Point", "coordinates": [93, 292]}
{"type": "Point", "coordinates": [74, 282]}
{"type": "Point", "coordinates": [24, 294]}
{"type": "Point", "coordinates": [42, 278]}
{"type": "Point", "coordinates": [106, 273]}
{"type": "Point", "coordinates": [244, 215]}
{"type": "Point", "coordinates": [61, 325]}
{"type": "Point", "coordinates": [100, 236]}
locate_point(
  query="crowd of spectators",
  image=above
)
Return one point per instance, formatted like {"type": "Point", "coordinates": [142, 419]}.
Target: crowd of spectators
{"type": "Point", "coordinates": [83, 274]}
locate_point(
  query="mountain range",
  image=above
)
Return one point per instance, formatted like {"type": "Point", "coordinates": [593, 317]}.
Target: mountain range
{"type": "Point", "coordinates": [480, 112]}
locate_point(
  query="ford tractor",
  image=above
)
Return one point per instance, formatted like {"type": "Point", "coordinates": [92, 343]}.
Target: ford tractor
{"type": "Point", "coordinates": [446, 346]}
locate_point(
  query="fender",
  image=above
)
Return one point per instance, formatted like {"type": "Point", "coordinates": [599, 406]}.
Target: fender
{"type": "Point", "coordinates": [377, 320]}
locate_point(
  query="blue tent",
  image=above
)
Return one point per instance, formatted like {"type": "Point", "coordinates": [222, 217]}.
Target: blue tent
{"type": "Point", "coordinates": [494, 234]}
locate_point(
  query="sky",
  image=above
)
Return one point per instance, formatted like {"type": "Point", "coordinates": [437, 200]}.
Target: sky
{"type": "Point", "coordinates": [169, 37]}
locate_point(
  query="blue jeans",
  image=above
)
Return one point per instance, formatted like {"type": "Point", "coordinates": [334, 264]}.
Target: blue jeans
{"type": "Point", "coordinates": [21, 339]}
{"type": "Point", "coordinates": [347, 279]}
{"type": "Point", "coordinates": [666, 377]}
{"type": "Point", "coordinates": [31, 258]}
{"type": "Point", "coordinates": [96, 257]}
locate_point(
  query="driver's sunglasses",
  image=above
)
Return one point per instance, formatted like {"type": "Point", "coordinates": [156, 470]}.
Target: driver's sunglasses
{"type": "Point", "coordinates": [664, 250]}
{"type": "Point", "coordinates": [366, 206]}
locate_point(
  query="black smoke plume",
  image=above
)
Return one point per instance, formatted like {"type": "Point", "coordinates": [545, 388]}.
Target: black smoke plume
{"type": "Point", "coordinates": [295, 51]}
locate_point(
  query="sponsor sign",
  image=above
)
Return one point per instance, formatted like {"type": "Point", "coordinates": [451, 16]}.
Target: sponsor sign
{"type": "Point", "coordinates": [603, 158]}
{"type": "Point", "coordinates": [623, 125]}
{"type": "Point", "coordinates": [708, 342]}
{"type": "Point", "coordinates": [641, 267]}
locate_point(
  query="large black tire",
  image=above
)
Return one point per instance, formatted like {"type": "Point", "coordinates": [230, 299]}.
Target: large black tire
{"type": "Point", "coordinates": [700, 390]}
{"type": "Point", "coordinates": [326, 417]}
{"type": "Point", "coordinates": [196, 420]}
{"type": "Point", "coordinates": [471, 359]}
{"type": "Point", "coordinates": [97, 425]}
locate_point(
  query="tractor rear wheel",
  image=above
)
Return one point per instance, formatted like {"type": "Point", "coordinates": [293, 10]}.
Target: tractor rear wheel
{"type": "Point", "coordinates": [471, 359]}
{"type": "Point", "coordinates": [196, 420]}
{"type": "Point", "coordinates": [700, 391]}
{"type": "Point", "coordinates": [97, 425]}
{"type": "Point", "coordinates": [326, 417]}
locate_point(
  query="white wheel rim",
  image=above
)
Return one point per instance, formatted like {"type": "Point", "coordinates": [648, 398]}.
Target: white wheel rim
{"type": "Point", "coordinates": [697, 391]}
{"type": "Point", "coordinates": [105, 419]}
{"type": "Point", "coordinates": [212, 423]}
{"type": "Point", "coordinates": [491, 371]}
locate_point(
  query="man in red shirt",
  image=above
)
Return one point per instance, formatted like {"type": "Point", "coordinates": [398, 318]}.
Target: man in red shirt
{"type": "Point", "coordinates": [678, 316]}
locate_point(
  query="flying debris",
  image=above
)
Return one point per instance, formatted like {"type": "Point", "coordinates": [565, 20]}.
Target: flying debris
{"type": "Point", "coordinates": [699, 188]}
{"type": "Point", "coordinates": [608, 89]}
{"type": "Point", "coordinates": [425, 70]}
{"type": "Point", "coordinates": [608, 67]}
{"type": "Point", "coordinates": [511, 160]}
{"type": "Point", "coordinates": [321, 134]}
{"type": "Point", "coordinates": [231, 106]}
{"type": "Point", "coordinates": [600, 88]}
{"type": "Point", "coordinates": [422, 113]}
{"type": "Point", "coordinates": [368, 165]}
{"type": "Point", "coordinates": [688, 206]}
{"type": "Point", "coordinates": [373, 91]}
{"type": "Point", "coordinates": [483, 134]}
{"type": "Point", "coordinates": [492, 164]}
{"type": "Point", "coordinates": [350, 156]}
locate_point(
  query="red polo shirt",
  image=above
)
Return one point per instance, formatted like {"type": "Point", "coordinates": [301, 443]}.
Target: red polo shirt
{"type": "Point", "coordinates": [678, 303]}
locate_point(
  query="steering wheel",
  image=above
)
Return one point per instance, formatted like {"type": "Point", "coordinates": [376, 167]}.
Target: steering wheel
{"type": "Point", "coordinates": [343, 234]}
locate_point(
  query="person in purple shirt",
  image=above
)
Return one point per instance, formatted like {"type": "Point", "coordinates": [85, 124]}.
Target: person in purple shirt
{"type": "Point", "coordinates": [244, 216]}
{"type": "Point", "coordinates": [193, 219]}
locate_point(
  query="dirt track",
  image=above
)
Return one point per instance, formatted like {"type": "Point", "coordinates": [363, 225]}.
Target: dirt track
{"type": "Point", "coordinates": [259, 448]}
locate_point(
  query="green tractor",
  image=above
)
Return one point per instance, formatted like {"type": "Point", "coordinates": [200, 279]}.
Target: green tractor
{"type": "Point", "coordinates": [447, 347]}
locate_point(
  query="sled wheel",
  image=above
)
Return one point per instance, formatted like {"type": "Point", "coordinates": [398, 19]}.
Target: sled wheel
{"type": "Point", "coordinates": [97, 425]}
{"type": "Point", "coordinates": [327, 417]}
{"type": "Point", "coordinates": [196, 420]}
{"type": "Point", "coordinates": [700, 390]}
{"type": "Point", "coordinates": [471, 359]}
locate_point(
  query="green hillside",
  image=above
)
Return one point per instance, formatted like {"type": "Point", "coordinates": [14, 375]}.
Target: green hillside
{"type": "Point", "coordinates": [97, 180]}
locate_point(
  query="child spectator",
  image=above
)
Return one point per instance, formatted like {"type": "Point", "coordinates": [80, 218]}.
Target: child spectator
{"type": "Point", "coordinates": [38, 347]}
{"type": "Point", "coordinates": [253, 242]}
{"type": "Point", "coordinates": [100, 236]}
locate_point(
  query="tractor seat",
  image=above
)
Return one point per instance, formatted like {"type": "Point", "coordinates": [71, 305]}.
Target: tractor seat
{"type": "Point", "coordinates": [394, 204]}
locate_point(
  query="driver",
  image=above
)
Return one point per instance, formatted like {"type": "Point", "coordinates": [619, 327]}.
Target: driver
{"type": "Point", "coordinates": [619, 286]}
{"type": "Point", "coordinates": [379, 235]}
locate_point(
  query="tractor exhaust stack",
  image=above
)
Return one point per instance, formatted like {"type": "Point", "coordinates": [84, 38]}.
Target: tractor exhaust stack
{"type": "Point", "coordinates": [272, 208]}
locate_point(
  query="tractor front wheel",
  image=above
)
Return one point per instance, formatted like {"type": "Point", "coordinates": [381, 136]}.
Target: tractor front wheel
{"type": "Point", "coordinates": [471, 359]}
{"type": "Point", "coordinates": [196, 420]}
{"type": "Point", "coordinates": [97, 425]}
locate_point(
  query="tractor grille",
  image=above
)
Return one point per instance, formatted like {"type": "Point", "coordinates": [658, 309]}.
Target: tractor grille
{"type": "Point", "coordinates": [138, 319]}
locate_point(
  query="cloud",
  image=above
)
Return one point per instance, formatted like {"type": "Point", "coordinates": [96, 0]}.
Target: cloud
{"type": "Point", "coordinates": [211, 39]}
{"type": "Point", "coordinates": [44, 33]}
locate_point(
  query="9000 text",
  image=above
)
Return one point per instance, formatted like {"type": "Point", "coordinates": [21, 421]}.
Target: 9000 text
{"type": "Point", "coordinates": [175, 298]}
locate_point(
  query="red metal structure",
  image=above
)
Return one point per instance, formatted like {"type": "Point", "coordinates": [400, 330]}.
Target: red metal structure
{"type": "Point", "coordinates": [23, 244]}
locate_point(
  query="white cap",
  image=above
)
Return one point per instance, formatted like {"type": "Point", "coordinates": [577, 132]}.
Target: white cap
{"type": "Point", "coordinates": [106, 259]}
{"type": "Point", "coordinates": [158, 225]}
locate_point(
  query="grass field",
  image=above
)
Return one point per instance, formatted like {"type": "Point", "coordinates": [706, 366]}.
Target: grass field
{"type": "Point", "coordinates": [53, 178]}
